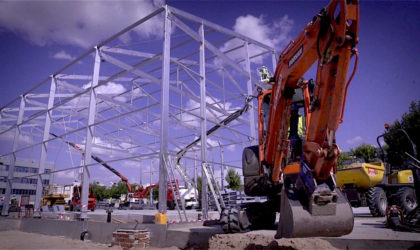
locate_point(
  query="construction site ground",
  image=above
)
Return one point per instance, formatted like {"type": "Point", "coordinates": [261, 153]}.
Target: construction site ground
{"type": "Point", "coordinates": [368, 233]}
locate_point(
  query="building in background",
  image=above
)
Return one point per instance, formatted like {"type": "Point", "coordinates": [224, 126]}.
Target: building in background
{"type": "Point", "coordinates": [23, 185]}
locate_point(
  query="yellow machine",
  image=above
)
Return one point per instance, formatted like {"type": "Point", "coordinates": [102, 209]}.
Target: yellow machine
{"type": "Point", "coordinates": [400, 177]}
{"type": "Point", "coordinates": [54, 195]}
{"type": "Point", "coordinates": [367, 184]}
{"type": "Point", "coordinates": [361, 175]}
{"type": "Point", "coordinates": [378, 185]}
{"type": "Point", "coordinates": [53, 199]}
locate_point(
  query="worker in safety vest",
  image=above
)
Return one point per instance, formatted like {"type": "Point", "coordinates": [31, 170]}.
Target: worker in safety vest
{"type": "Point", "coordinates": [296, 133]}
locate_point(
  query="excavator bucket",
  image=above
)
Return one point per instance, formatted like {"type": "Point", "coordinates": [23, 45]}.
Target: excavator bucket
{"type": "Point", "coordinates": [323, 212]}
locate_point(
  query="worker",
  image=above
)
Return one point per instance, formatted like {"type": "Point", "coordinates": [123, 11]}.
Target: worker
{"type": "Point", "coordinates": [296, 133]}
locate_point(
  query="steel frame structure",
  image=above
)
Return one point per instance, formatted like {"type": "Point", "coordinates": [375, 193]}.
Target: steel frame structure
{"type": "Point", "coordinates": [168, 97]}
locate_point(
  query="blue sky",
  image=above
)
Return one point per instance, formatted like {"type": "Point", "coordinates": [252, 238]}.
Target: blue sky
{"type": "Point", "coordinates": [38, 38]}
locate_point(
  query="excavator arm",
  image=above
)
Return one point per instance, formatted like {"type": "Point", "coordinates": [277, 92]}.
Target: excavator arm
{"type": "Point", "coordinates": [330, 41]}
{"type": "Point", "coordinates": [303, 181]}
{"type": "Point", "coordinates": [311, 204]}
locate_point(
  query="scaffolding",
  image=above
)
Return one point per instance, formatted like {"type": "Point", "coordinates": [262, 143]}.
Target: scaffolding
{"type": "Point", "coordinates": [139, 102]}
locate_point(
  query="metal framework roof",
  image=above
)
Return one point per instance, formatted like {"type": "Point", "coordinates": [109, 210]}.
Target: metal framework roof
{"type": "Point", "coordinates": [138, 103]}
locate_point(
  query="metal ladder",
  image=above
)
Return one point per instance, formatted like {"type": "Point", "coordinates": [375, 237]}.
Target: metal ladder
{"type": "Point", "coordinates": [213, 188]}
{"type": "Point", "coordinates": [175, 190]}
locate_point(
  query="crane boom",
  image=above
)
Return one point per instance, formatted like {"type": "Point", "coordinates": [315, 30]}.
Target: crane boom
{"type": "Point", "coordinates": [98, 160]}
{"type": "Point", "coordinates": [232, 117]}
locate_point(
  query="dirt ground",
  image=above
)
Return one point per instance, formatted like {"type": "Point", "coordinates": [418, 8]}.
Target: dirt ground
{"type": "Point", "coordinates": [255, 241]}
{"type": "Point", "coordinates": [23, 240]}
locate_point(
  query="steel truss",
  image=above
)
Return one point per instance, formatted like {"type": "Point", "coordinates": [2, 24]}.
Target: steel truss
{"type": "Point", "coordinates": [139, 103]}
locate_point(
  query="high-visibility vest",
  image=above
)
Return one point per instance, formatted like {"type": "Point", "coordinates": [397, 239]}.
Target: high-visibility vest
{"type": "Point", "coordinates": [301, 127]}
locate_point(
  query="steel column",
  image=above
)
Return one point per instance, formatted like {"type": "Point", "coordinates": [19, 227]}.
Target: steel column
{"type": "Point", "coordinates": [203, 109]}
{"type": "Point", "coordinates": [5, 210]}
{"type": "Point", "coordinates": [163, 155]}
{"type": "Point", "coordinates": [195, 176]}
{"type": "Point", "coordinates": [89, 136]}
{"type": "Point", "coordinates": [150, 182]}
{"type": "Point", "coordinates": [44, 149]}
{"type": "Point", "coordinates": [222, 167]}
{"type": "Point", "coordinates": [141, 174]}
{"type": "Point", "coordinates": [251, 110]}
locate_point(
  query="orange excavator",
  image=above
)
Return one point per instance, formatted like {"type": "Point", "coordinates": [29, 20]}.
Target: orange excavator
{"type": "Point", "coordinates": [298, 179]}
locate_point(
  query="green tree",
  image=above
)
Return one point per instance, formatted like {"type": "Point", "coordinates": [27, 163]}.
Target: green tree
{"type": "Point", "coordinates": [100, 191]}
{"type": "Point", "coordinates": [199, 190]}
{"type": "Point", "coordinates": [155, 194]}
{"type": "Point", "coordinates": [397, 142]}
{"type": "Point", "coordinates": [234, 180]}
{"type": "Point", "coordinates": [199, 186]}
{"type": "Point", "coordinates": [117, 189]}
{"type": "Point", "coordinates": [364, 151]}
{"type": "Point", "coordinates": [341, 158]}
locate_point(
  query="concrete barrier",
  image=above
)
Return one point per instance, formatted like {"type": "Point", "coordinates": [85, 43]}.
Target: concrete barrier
{"type": "Point", "coordinates": [99, 232]}
{"type": "Point", "coordinates": [7, 224]}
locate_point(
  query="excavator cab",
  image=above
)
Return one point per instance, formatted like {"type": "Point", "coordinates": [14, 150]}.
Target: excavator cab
{"type": "Point", "coordinates": [307, 208]}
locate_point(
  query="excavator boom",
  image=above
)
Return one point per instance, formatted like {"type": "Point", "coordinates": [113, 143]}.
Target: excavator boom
{"type": "Point", "coordinates": [297, 170]}
{"type": "Point", "coordinates": [311, 204]}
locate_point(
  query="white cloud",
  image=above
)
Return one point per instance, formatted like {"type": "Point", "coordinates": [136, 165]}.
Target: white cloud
{"type": "Point", "coordinates": [231, 148]}
{"type": "Point", "coordinates": [109, 89]}
{"type": "Point", "coordinates": [275, 34]}
{"type": "Point", "coordinates": [212, 143]}
{"type": "Point", "coordinates": [131, 164]}
{"type": "Point", "coordinates": [80, 23]}
{"type": "Point", "coordinates": [103, 147]}
{"type": "Point", "coordinates": [10, 136]}
{"type": "Point", "coordinates": [194, 108]}
{"type": "Point", "coordinates": [355, 140]}
{"type": "Point", "coordinates": [66, 175]}
{"type": "Point", "coordinates": [63, 55]}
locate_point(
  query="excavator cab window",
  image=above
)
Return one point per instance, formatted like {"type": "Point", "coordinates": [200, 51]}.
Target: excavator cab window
{"type": "Point", "coordinates": [266, 112]}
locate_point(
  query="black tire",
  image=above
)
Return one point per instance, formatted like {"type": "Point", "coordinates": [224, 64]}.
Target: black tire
{"type": "Point", "coordinates": [261, 215]}
{"type": "Point", "coordinates": [250, 161]}
{"type": "Point", "coordinates": [377, 201]}
{"type": "Point", "coordinates": [84, 235]}
{"type": "Point", "coordinates": [234, 224]}
{"type": "Point", "coordinates": [406, 199]}
{"type": "Point", "coordinates": [229, 220]}
{"type": "Point", "coordinates": [224, 220]}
